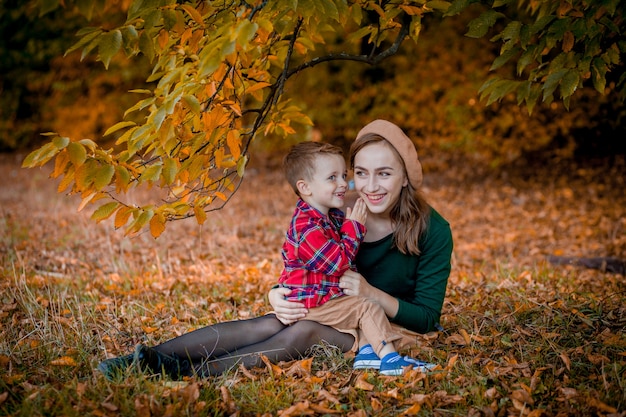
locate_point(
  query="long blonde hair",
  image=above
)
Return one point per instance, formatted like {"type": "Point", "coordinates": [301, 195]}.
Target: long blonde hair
{"type": "Point", "coordinates": [410, 214]}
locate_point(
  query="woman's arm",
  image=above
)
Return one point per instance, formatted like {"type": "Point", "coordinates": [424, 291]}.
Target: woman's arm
{"type": "Point", "coordinates": [420, 311]}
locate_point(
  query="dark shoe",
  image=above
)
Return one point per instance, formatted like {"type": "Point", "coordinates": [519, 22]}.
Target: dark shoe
{"type": "Point", "coordinates": [155, 362]}
{"type": "Point", "coordinates": [115, 367]}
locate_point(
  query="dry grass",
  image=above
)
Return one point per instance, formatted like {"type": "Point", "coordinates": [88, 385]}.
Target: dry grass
{"type": "Point", "coordinates": [521, 337]}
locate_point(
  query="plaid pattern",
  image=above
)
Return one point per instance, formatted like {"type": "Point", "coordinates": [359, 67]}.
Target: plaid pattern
{"type": "Point", "coordinates": [318, 249]}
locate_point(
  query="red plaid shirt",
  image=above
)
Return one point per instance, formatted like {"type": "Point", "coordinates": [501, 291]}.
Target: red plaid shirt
{"type": "Point", "coordinates": [318, 249]}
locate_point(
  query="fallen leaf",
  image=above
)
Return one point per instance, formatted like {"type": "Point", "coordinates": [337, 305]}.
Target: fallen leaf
{"type": "Point", "coordinates": [412, 410]}
{"type": "Point", "coordinates": [320, 409]}
{"type": "Point", "coordinates": [302, 408]}
{"type": "Point", "coordinates": [64, 361]}
{"type": "Point", "coordinates": [361, 383]}
{"type": "Point", "coordinates": [376, 404]}
{"type": "Point", "coordinates": [566, 361]}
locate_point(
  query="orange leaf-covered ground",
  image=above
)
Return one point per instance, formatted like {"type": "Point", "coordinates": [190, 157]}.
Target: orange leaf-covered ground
{"type": "Point", "coordinates": [522, 336]}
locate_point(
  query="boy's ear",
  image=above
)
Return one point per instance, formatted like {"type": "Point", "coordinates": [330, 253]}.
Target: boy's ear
{"type": "Point", "coordinates": [303, 187]}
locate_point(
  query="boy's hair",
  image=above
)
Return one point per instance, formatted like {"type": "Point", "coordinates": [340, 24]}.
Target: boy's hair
{"type": "Point", "coordinates": [299, 163]}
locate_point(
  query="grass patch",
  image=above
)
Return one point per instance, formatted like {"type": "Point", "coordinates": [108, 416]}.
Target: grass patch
{"type": "Point", "coordinates": [520, 337]}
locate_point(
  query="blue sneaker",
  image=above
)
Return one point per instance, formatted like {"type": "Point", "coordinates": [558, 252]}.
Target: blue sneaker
{"type": "Point", "coordinates": [366, 358]}
{"type": "Point", "coordinates": [394, 364]}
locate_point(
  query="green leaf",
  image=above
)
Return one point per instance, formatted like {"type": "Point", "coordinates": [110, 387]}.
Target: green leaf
{"type": "Point", "coordinates": [140, 221]}
{"type": "Point", "coordinates": [569, 83]}
{"type": "Point", "coordinates": [104, 211]}
{"type": "Point", "coordinates": [245, 32]}
{"type": "Point", "coordinates": [241, 165]}
{"type": "Point", "coordinates": [122, 176]}
{"type": "Point", "coordinates": [511, 31]}
{"type": "Point", "coordinates": [119, 126]}
{"type": "Point", "coordinates": [47, 6]}
{"type": "Point", "coordinates": [439, 5]}
{"type": "Point", "coordinates": [151, 173]}
{"type": "Point", "coordinates": [60, 142]}
{"type": "Point", "coordinates": [552, 81]}
{"type": "Point", "coordinates": [77, 153]}
{"type": "Point", "coordinates": [139, 7]}
{"type": "Point", "coordinates": [146, 45]}
{"type": "Point", "coordinates": [170, 169]}
{"type": "Point", "coordinates": [193, 103]}
{"type": "Point", "coordinates": [85, 7]}
{"type": "Point", "coordinates": [503, 58]}
{"type": "Point", "coordinates": [541, 23]}
{"type": "Point", "coordinates": [598, 71]}
{"type": "Point", "coordinates": [89, 36]}
{"type": "Point", "coordinates": [103, 177]}
{"type": "Point", "coordinates": [457, 7]}
{"type": "Point", "coordinates": [108, 45]}
{"type": "Point", "coordinates": [481, 25]}
{"type": "Point", "coordinates": [88, 143]}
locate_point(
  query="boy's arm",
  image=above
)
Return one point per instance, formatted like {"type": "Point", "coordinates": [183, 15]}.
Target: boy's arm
{"type": "Point", "coordinates": [322, 253]}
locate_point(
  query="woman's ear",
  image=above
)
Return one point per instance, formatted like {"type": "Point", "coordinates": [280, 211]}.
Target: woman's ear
{"type": "Point", "coordinates": [303, 187]}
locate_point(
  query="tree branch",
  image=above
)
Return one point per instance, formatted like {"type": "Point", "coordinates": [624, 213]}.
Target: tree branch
{"type": "Point", "coordinates": [368, 59]}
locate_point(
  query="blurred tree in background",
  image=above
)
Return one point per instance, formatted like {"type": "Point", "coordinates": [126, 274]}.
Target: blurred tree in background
{"type": "Point", "coordinates": [43, 90]}
{"type": "Point", "coordinates": [489, 81]}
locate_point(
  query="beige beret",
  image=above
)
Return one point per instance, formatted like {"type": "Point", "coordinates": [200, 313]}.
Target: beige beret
{"type": "Point", "coordinates": [401, 142]}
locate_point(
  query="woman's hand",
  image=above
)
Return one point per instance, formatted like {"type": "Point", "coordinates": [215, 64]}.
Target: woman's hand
{"type": "Point", "coordinates": [353, 283]}
{"type": "Point", "coordinates": [287, 312]}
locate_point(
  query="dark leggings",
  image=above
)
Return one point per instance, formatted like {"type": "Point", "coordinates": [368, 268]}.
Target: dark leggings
{"type": "Point", "coordinates": [222, 346]}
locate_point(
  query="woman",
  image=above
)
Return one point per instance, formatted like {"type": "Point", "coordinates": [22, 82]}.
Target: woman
{"type": "Point", "coordinates": [403, 264]}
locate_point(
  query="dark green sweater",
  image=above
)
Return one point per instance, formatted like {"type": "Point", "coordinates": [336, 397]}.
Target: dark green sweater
{"type": "Point", "coordinates": [418, 282]}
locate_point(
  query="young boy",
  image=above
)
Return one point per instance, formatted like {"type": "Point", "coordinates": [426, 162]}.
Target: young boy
{"type": "Point", "coordinates": [320, 246]}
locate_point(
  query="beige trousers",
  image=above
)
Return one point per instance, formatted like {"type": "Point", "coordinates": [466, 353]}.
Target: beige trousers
{"type": "Point", "coordinates": [358, 316]}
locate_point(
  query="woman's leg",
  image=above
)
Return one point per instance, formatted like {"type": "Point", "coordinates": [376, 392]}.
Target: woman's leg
{"type": "Point", "coordinates": [221, 338]}
{"type": "Point", "coordinates": [290, 343]}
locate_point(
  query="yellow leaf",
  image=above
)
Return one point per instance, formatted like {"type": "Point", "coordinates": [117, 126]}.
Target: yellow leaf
{"type": "Point", "coordinates": [412, 410]}
{"type": "Point", "coordinates": [193, 12]}
{"type": "Point", "coordinates": [234, 143]}
{"type": "Point", "coordinates": [64, 361]}
{"type": "Point", "coordinates": [122, 216]}
{"type": "Point", "coordinates": [200, 214]}
{"type": "Point", "coordinates": [66, 181]}
{"type": "Point", "coordinates": [60, 163]}
{"type": "Point", "coordinates": [149, 329]}
{"type": "Point", "coordinates": [86, 201]}
{"type": "Point", "coordinates": [162, 39]}
{"type": "Point", "coordinates": [157, 225]}
{"type": "Point", "coordinates": [361, 383]}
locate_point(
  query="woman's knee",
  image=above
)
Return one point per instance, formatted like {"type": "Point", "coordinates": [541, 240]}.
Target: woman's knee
{"type": "Point", "coordinates": [306, 333]}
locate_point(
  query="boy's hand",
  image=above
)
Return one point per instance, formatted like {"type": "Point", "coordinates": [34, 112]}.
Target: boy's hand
{"type": "Point", "coordinates": [358, 213]}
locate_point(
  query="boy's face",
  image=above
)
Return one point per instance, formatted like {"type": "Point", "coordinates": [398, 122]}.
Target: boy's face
{"type": "Point", "coordinates": [327, 188]}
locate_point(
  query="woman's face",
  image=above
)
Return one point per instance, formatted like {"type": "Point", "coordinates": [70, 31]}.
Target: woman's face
{"type": "Point", "coordinates": [379, 177]}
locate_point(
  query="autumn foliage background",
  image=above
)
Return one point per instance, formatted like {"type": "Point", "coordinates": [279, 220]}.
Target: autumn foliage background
{"type": "Point", "coordinates": [522, 336]}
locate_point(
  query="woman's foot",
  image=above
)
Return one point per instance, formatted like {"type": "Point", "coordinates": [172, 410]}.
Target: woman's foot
{"type": "Point", "coordinates": [115, 367]}
{"type": "Point", "coordinates": [152, 361]}
{"type": "Point", "coordinates": [394, 364]}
